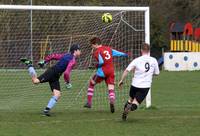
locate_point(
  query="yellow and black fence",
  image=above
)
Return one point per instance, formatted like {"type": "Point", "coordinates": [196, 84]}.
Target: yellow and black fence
{"type": "Point", "coordinates": [184, 38]}
{"type": "Point", "coordinates": [184, 45]}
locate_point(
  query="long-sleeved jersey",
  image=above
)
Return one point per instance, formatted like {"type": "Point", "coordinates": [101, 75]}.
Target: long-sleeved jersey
{"type": "Point", "coordinates": [65, 64]}
{"type": "Point", "coordinates": [104, 55]}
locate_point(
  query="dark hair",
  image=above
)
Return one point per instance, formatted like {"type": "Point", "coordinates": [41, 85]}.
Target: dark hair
{"type": "Point", "coordinates": [95, 40]}
{"type": "Point", "coordinates": [145, 47]}
{"type": "Point", "coordinates": [74, 47]}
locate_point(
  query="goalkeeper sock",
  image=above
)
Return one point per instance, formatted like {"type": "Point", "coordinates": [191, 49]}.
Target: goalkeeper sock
{"type": "Point", "coordinates": [31, 71]}
{"type": "Point", "coordinates": [52, 102]}
{"type": "Point", "coordinates": [112, 96]}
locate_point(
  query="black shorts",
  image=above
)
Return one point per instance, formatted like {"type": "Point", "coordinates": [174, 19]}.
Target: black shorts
{"type": "Point", "coordinates": [138, 93]}
{"type": "Point", "coordinates": [51, 76]}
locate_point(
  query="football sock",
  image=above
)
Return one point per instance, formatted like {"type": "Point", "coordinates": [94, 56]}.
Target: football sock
{"type": "Point", "coordinates": [112, 96]}
{"type": "Point", "coordinates": [47, 109]}
{"type": "Point", "coordinates": [90, 93]}
{"type": "Point", "coordinates": [31, 71]}
{"type": "Point", "coordinates": [127, 105]}
{"type": "Point", "coordinates": [133, 107]}
{"type": "Point", "coordinates": [52, 102]}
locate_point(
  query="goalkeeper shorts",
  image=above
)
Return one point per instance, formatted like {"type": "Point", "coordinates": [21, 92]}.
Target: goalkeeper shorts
{"type": "Point", "coordinates": [51, 76]}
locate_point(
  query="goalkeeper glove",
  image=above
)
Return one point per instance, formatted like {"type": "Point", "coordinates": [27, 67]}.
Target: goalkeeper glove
{"type": "Point", "coordinates": [68, 85]}
{"type": "Point", "coordinates": [41, 63]}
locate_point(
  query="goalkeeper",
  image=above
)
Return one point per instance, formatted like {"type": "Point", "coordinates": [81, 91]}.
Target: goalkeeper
{"type": "Point", "coordinates": [66, 62]}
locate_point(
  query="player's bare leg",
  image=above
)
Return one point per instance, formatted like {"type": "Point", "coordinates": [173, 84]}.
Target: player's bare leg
{"type": "Point", "coordinates": [35, 80]}
{"type": "Point", "coordinates": [111, 97]}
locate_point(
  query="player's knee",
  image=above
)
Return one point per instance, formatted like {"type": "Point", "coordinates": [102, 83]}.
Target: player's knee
{"type": "Point", "coordinates": [133, 107]}
{"type": "Point", "coordinates": [111, 87]}
{"type": "Point", "coordinates": [57, 93]}
{"type": "Point", "coordinates": [58, 96]}
{"type": "Point", "coordinates": [135, 101]}
{"type": "Point", "coordinates": [92, 82]}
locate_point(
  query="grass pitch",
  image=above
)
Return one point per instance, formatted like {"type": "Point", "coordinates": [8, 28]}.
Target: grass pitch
{"type": "Point", "coordinates": [175, 109]}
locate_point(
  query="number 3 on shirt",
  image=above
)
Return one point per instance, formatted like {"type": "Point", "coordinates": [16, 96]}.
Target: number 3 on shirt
{"type": "Point", "coordinates": [107, 57]}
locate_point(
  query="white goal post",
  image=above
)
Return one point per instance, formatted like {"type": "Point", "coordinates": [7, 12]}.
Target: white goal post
{"type": "Point", "coordinates": [48, 39]}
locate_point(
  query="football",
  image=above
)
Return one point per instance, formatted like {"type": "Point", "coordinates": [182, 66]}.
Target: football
{"type": "Point", "coordinates": [107, 18]}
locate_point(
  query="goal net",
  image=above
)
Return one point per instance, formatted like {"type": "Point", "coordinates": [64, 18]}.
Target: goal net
{"type": "Point", "coordinates": [36, 31]}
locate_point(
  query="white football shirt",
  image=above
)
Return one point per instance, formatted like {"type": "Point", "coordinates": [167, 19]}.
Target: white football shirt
{"type": "Point", "coordinates": [145, 67]}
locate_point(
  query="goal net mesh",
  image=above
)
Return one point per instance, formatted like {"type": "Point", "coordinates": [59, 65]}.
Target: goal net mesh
{"type": "Point", "coordinates": [42, 32]}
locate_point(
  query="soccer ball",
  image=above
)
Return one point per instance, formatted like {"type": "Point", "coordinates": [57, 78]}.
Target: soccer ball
{"type": "Point", "coordinates": [106, 18]}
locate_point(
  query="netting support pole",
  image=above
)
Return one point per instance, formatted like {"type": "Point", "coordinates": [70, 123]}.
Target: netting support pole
{"type": "Point", "coordinates": [31, 31]}
{"type": "Point", "coordinates": [147, 40]}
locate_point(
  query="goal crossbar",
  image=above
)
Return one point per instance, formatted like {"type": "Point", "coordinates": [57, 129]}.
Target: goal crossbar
{"type": "Point", "coordinates": [78, 8]}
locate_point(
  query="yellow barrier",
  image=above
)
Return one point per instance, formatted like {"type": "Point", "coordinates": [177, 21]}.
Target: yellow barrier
{"type": "Point", "coordinates": [178, 45]}
{"type": "Point", "coordinates": [181, 45]}
{"type": "Point", "coordinates": [175, 45]}
{"type": "Point", "coordinates": [196, 46]}
{"type": "Point", "coordinates": [193, 47]}
{"type": "Point", "coordinates": [171, 45]}
{"type": "Point", "coordinates": [190, 45]}
{"type": "Point", "coordinates": [186, 45]}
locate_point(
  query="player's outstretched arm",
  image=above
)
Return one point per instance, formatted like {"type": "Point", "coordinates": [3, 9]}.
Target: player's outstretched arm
{"type": "Point", "coordinates": [54, 56]}
{"type": "Point", "coordinates": [118, 53]}
{"type": "Point", "coordinates": [131, 67]}
{"type": "Point", "coordinates": [67, 74]}
{"type": "Point", "coordinates": [125, 73]}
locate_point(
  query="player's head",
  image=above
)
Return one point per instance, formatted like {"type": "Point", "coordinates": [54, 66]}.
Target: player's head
{"type": "Point", "coordinates": [145, 49]}
{"type": "Point", "coordinates": [95, 42]}
{"type": "Point", "coordinates": [75, 49]}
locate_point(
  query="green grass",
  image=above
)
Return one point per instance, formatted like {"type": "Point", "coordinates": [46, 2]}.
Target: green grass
{"type": "Point", "coordinates": [175, 110]}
